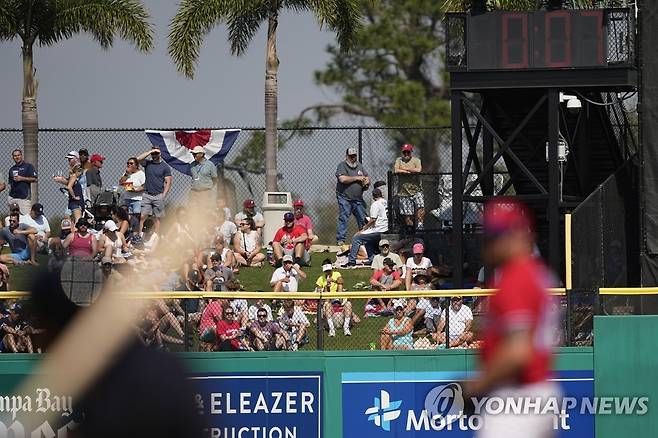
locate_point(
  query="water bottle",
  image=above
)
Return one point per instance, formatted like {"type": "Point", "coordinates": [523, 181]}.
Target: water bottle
{"type": "Point", "coordinates": [270, 255]}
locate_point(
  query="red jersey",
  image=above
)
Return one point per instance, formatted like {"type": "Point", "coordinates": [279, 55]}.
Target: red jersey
{"type": "Point", "coordinates": [228, 328]}
{"type": "Point", "coordinates": [522, 302]}
{"type": "Point", "coordinates": [211, 314]}
{"type": "Point", "coordinates": [296, 231]}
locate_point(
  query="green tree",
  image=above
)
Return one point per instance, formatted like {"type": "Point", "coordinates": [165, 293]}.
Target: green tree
{"type": "Point", "coordinates": [47, 22]}
{"type": "Point", "coordinates": [393, 74]}
{"type": "Point", "coordinates": [195, 18]}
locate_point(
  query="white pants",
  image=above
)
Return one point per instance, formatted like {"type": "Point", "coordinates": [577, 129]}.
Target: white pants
{"type": "Point", "coordinates": [529, 425]}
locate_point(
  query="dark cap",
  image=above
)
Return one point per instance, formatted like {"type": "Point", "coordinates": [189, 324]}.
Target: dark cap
{"type": "Point", "coordinates": [288, 217]}
{"type": "Point", "coordinates": [16, 307]}
{"type": "Point", "coordinates": [14, 206]}
{"type": "Point", "coordinates": [37, 208]}
{"type": "Point", "coordinates": [389, 262]}
{"type": "Point", "coordinates": [82, 222]}
{"type": "Point", "coordinates": [249, 203]}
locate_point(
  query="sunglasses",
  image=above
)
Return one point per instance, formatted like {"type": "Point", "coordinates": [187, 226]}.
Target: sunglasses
{"type": "Point", "coordinates": [130, 163]}
{"type": "Point", "coordinates": [262, 316]}
{"type": "Point", "coordinates": [229, 313]}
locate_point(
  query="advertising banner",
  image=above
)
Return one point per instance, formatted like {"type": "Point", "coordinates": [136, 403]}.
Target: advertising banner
{"type": "Point", "coordinates": [420, 404]}
{"type": "Point", "coordinates": [246, 405]}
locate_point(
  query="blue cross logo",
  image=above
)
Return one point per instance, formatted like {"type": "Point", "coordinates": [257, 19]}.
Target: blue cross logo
{"type": "Point", "coordinates": [384, 411]}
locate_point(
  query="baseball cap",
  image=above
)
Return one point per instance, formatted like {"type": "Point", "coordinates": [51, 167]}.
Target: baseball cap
{"type": "Point", "coordinates": [287, 258]}
{"type": "Point", "coordinates": [389, 262]}
{"type": "Point", "coordinates": [384, 242]}
{"type": "Point", "coordinates": [249, 203]}
{"type": "Point", "coordinates": [400, 302]}
{"type": "Point", "coordinates": [65, 224]}
{"type": "Point", "coordinates": [198, 150]}
{"type": "Point", "coordinates": [14, 206]}
{"type": "Point", "coordinates": [83, 151]}
{"type": "Point", "coordinates": [288, 217]}
{"type": "Point", "coordinates": [298, 203]}
{"type": "Point", "coordinates": [407, 147]}
{"type": "Point", "coordinates": [106, 261]}
{"type": "Point", "coordinates": [82, 222]}
{"type": "Point", "coordinates": [327, 267]}
{"type": "Point", "coordinates": [418, 248]}
{"type": "Point", "coordinates": [505, 214]}
{"type": "Point", "coordinates": [110, 225]}
{"type": "Point", "coordinates": [97, 157]}
{"type": "Point", "coordinates": [379, 184]}
{"type": "Point", "coordinates": [37, 208]}
{"type": "Point", "coordinates": [456, 298]}
{"type": "Point", "coordinates": [73, 154]}
{"type": "Point", "coordinates": [352, 151]}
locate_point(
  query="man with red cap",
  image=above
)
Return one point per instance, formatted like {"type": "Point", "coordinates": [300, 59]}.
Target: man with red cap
{"type": "Point", "coordinates": [94, 181]}
{"type": "Point", "coordinates": [410, 193]}
{"type": "Point", "coordinates": [290, 240]}
{"type": "Point", "coordinates": [249, 210]}
{"type": "Point", "coordinates": [304, 221]}
{"type": "Point", "coordinates": [516, 357]}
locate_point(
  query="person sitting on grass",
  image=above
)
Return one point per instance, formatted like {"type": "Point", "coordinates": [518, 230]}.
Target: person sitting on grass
{"type": "Point", "coordinates": [268, 335]}
{"type": "Point", "coordinates": [398, 332]}
{"type": "Point", "coordinates": [247, 244]}
{"type": "Point", "coordinates": [295, 323]}
{"type": "Point", "coordinates": [81, 243]}
{"type": "Point", "coordinates": [385, 252]}
{"type": "Point", "coordinates": [287, 277]}
{"type": "Point", "coordinates": [15, 334]}
{"type": "Point", "coordinates": [227, 256]}
{"type": "Point", "coordinates": [335, 312]}
{"type": "Point", "coordinates": [217, 275]}
{"type": "Point", "coordinates": [22, 241]}
{"type": "Point", "coordinates": [290, 240]}
{"type": "Point", "coordinates": [210, 316]}
{"type": "Point", "coordinates": [252, 313]}
{"type": "Point", "coordinates": [229, 334]}
{"type": "Point", "coordinates": [385, 279]}
{"type": "Point", "coordinates": [461, 321]}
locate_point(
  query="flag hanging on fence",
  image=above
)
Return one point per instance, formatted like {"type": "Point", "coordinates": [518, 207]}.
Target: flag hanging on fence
{"type": "Point", "coordinates": [175, 146]}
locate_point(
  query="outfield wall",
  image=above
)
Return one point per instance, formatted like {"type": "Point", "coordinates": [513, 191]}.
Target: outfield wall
{"type": "Point", "coordinates": [338, 387]}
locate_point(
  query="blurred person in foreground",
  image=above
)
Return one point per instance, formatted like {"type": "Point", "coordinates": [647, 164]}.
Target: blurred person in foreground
{"type": "Point", "coordinates": [516, 358]}
{"type": "Point", "coordinates": [131, 377]}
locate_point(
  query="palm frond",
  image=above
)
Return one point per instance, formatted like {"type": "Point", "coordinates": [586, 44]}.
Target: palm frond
{"type": "Point", "coordinates": [343, 17]}
{"type": "Point", "coordinates": [103, 19]}
{"type": "Point", "coordinates": [195, 18]}
{"type": "Point", "coordinates": [8, 23]}
{"type": "Point", "coordinates": [244, 21]}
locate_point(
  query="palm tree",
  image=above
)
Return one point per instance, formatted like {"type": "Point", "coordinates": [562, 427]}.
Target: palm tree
{"type": "Point", "coordinates": [195, 18]}
{"type": "Point", "coordinates": [48, 22]}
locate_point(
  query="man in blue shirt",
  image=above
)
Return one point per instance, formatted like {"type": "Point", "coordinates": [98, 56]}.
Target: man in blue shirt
{"type": "Point", "coordinates": [157, 185]}
{"type": "Point", "coordinates": [204, 178]}
{"type": "Point", "coordinates": [21, 176]}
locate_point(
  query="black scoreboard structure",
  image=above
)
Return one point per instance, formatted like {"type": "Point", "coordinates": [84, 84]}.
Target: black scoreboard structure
{"type": "Point", "coordinates": [545, 98]}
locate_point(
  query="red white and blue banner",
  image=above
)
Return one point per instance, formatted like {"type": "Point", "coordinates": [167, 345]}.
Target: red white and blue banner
{"type": "Point", "coordinates": [175, 146]}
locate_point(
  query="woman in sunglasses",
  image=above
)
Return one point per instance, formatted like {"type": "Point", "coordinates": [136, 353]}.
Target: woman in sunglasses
{"type": "Point", "coordinates": [132, 182]}
{"type": "Point", "coordinates": [247, 244]}
{"type": "Point", "coordinates": [398, 332]}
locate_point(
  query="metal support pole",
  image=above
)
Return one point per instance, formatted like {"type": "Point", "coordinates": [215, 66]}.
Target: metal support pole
{"type": "Point", "coordinates": [319, 334]}
{"type": "Point", "coordinates": [457, 191]}
{"type": "Point", "coordinates": [360, 131]}
{"type": "Point", "coordinates": [185, 326]}
{"type": "Point", "coordinates": [448, 302]}
{"type": "Point", "coordinates": [569, 320]}
{"type": "Point", "coordinates": [553, 181]}
{"type": "Point", "coordinates": [488, 177]}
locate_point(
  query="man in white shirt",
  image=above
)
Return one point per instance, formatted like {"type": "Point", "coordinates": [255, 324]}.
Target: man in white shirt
{"type": "Point", "coordinates": [371, 232]}
{"type": "Point", "coordinates": [39, 222]}
{"type": "Point", "coordinates": [15, 208]}
{"type": "Point", "coordinates": [287, 277]}
{"type": "Point", "coordinates": [385, 252]}
{"type": "Point", "coordinates": [461, 320]}
{"type": "Point", "coordinates": [415, 264]}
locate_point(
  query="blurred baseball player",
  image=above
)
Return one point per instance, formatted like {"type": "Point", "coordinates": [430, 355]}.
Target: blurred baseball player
{"type": "Point", "coordinates": [516, 356]}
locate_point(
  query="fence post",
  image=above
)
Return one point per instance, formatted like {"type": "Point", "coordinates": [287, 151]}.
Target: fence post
{"type": "Point", "coordinates": [448, 322]}
{"type": "Point", "coordinates": [360, 131]}
{"type": "Point", "coordinates": [318, 314]}
{"type": "Point", "coordinates": [569, 327]}
{"type": "Point", "coordinates": [185, 326]}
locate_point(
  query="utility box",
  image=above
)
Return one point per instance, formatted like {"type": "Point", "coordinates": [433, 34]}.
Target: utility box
{"type": "Point", "coordinates": [274, 205]}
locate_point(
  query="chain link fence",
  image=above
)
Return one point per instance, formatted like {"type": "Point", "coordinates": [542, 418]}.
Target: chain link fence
{"type": "Point", "coordinates": [307, 162]}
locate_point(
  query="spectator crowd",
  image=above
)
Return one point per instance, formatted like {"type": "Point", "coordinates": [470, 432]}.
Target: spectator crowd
{"type": "Point", "coordinates": [123, 230]}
